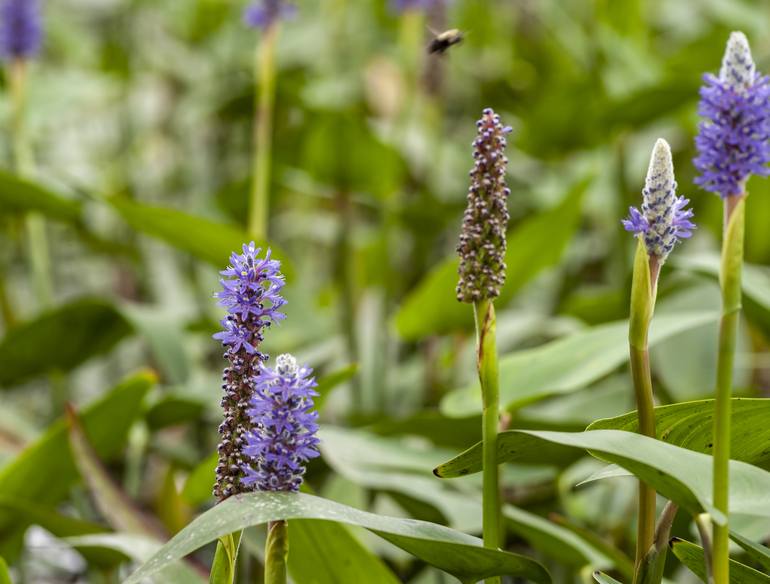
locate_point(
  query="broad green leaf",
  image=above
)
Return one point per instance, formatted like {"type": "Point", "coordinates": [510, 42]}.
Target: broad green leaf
{"type": "Point", "coordinates": [60, 340]}
{"type": "Point", "coordinates": [691, 555]}
{"type": "Point", "coordinates": [689, 425]}
{"type": "Point", "coordinates": [138, 548]}
{"type": "Point", "coordinates": [200, 483]}
{"type": "Point", "coordinates": [757, 552]}
{"type": "Point", "coordinates": [19, 196]}
{"type": "Point", "coordinates": [324, 552]}
{"type": "Point", "coordinates": [457, 553]}
{"type": "Point", "coordinates": [106, 421]}
{"type": "Point", "coordinates": [566, 364]}
{"type": "Point", "coordinates": [681, 475]}
{"type": "Point", "coordinates": [331, 381]}
{"type": "Point", "coordinates": [173, 409]}
{"type": "Point", "coordinates": [205, 239]}
{"type": "Point", "coordinates": [398, 466]}
{"type": "Point", "coordinates": [755, 281]}
{"type": "Point", "coordinates": [603, 578]}
{"type": "Point", "coordinates": [114, 504]}
{"type": "Point", "coordinates": [432, 308]}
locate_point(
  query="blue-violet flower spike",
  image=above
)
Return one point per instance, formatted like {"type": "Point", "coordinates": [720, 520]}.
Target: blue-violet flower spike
{"type": "Point", "coordinates": [733, 141]}
{"type": "Point", "coordinates": [482, 241]}
{"type": "Point", "coordinates": [251, 292]}
{"type": "Point", "coordinates": [663, 220]}
{"type": "Point", "coordinates": [263, 13]}
{"type": "Point", "coordinates": [21, 30]}
{"type": "Point", "coordinates": [283, 436]}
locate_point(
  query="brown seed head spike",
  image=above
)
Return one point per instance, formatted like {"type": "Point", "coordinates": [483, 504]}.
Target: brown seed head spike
{"type": "Point", "coordinates": [482, 240]}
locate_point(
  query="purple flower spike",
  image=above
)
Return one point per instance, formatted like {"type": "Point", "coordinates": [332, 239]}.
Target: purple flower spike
{"type": "Point", "coordinates": [482, 241]}
{"type": "Point", "coordinates": [263, 13]}
{"type": "Point", "coordinates": [404, 5]}
{"type": "Point", "coordinates": [283, 437]}
{"type": "Point", "coordinates": [733, 141]}
{"type": "Point", "coordinates": [21, 31]}
{"type": "Point", "coordinates": [663, 220]}
{"type": "Point", "coordinates": [251, 292]}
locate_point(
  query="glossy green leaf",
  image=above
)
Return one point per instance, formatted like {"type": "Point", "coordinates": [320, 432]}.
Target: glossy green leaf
{"type": "Point", "coordinates": [60, 340]}
{"type": "Point", "coordinates": [454, 552]}
{"type": "Point", "coordinates": [757, 552]}
{"type": "Point", "coordinates": [106, 422]}
{"type": "Point", "coordinates": [537, 243]}
{"type": "Point", "coordinates": [324, 552]}
{"type": "Point", "coordinates": [681, 475]}
{"type": "Point", "coordinates": [205, 239]}
{"type": "Point", "coordinates": [691, 555]}
{"type": "Point", "coordinates": [689, 425]}
{"type": "Point", "coordinates": [18, 196]}
{"type": "Point", "coordinates": [566, 364]}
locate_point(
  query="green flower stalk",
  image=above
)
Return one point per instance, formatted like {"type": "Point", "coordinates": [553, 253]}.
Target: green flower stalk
{"type": "Point", "coordinates": [660, 224]}
{"type": "Point", "coordinates": [482, 273]}
{"type": "Point", "coordinates": [21, 35]}
{"type": "Point", "coordinates": [733, 143]}
{"type": "Point", "coordinates": [266, 15]}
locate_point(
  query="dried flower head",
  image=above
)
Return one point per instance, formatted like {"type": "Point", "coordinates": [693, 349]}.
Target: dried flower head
{"type": "Point", "coordinates": [663, 220]}
{"type": "Point", "coordinates": [263, 13]}
{"type": "Point", "coordinates": [251, 292]}
{"type": "Point", "coordinates": [482, 240]}
{"type": "Point", "coordinates": [283, 436]}
{"type": "Point", "coordinates": [733, 141]}
{"type": "Point", "coordinates": [21, 32]}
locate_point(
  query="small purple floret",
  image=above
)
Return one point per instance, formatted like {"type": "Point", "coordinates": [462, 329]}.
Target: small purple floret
{"type": "Point", "coordinates": [263, 13]}
{"type": "Point", "coordinates": [283, 436]}
{"type": "Point", "coordinates": [404, 5]}
{"type": "Point", "coordinates": [21, 30]}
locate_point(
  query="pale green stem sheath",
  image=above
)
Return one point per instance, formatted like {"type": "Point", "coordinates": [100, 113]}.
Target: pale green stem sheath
{"type": "Point", "coordinates": [730, 281]}
{"type": "Point", "coordinates": [40, 263]}
{"type": "Point", "coordinates": [223, 567]}
{"type": "Point", "coordinates": [276, 552]}
{"type": "Point", "coordinates": [643, 290]}
{"type": "Point", "coordinates": [703, 523]}
{"type": "Point", "coordinates": [259, 206]}
{"type": "Point", "coordinates": [486, 363]}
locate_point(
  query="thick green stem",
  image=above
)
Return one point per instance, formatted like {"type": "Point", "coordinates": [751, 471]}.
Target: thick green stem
{"type": "Point", "coordinates": [643, 289]}
{"type": "Point", "coordinates": [276, 552]}
{"type": "Point", "coordinates": [490, 390]}
{"type": "Point", "coordinates": [730, 280]}
{"type": "Point", "coordinates": [260, 191]}
{"type": "Point", "coordinates": [40, 263]}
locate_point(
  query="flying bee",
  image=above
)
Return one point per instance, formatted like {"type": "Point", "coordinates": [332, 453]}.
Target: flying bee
{"type": "Point", "coordinates": [444, 40]}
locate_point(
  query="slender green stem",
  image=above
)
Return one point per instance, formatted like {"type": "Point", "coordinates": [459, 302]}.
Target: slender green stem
{"type": "Point", "coordinates": [643, 290]}
{"type": "Point", "coordinates": [276, 552]}
{"type": "Point", "coordinates": [490, 390]}
{"type": "Point", "coordinates": [40, 263]}
{"type": "Point", "coordinates": [730, 280]}
{"type": "Point", "coordinates": [260, 192]}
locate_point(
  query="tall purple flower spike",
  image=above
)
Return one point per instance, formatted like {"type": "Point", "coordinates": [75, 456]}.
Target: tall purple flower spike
{"type": "Point", "coordinates": [21, 30]}
{"type": "Point", "coordinates": [482, 241]}
{"type": "Point", "coordinates": [251, 292]}
{"type": "Point", "coordinates": [263, 13]}
{"type": "Point", "coordinates": [283, 436]}
{"type": "Point", "coordinates": [733, 141]}
{"type": "Point", "coordinates": [663, 220]}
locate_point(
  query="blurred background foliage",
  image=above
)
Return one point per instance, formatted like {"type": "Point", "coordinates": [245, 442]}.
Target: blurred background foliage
{"type": "Point", "coordinates": [141, 118]}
